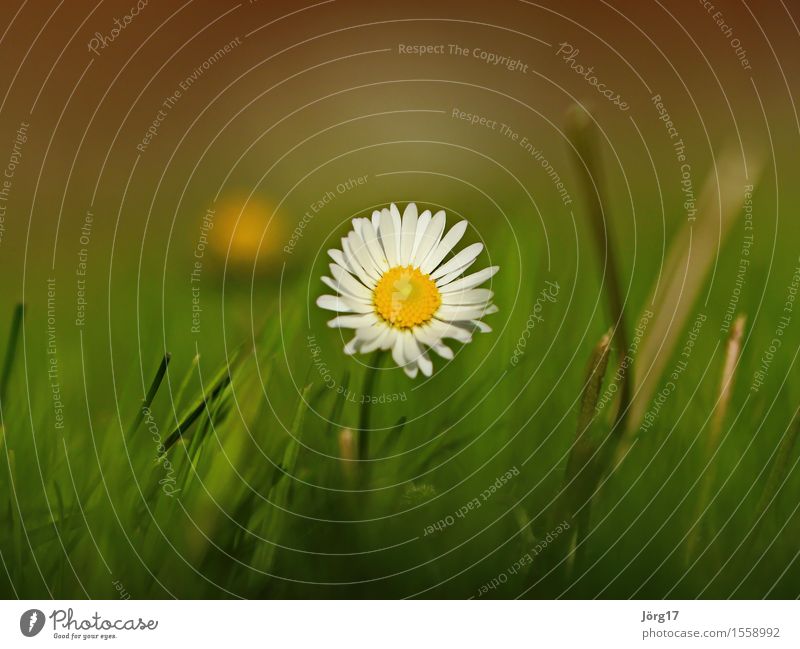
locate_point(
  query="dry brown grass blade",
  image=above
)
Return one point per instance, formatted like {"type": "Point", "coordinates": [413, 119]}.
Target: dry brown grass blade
{"type": "Point", "coordinates": [733, 351]}
{"type": "Point", "coordinates": [584, 440]}
{"type": "Point", "coordinates": [690, 259]}
{"type": "Point", "coordinates": [347, 454]}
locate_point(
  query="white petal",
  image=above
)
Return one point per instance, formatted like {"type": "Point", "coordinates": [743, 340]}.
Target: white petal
{"type": "Point", "coordinates": [446, 279]}
{"type": "Point", "coordinates": [411, 371]}
{"type": "Point", "coordinates": [470, 296]}
{"type": "Point", "coordinates": [378, 342]}
{"type": "Point", "coordinates": [411, 350]}
{"type": "Point", "coordinates": [475, 325]}
{"type": "Point", "coordinates": [346, 283]}
{"type": "Point", "coordinates": [426, 335]}
{"type": "Point", "coordinates": [448, 330]}
{"type": "Point", "coordinates": [425, 365]}
{"type": "Point", "coordinates": [406, 353]}
{"type": "Point", "coordinates": [389, 234]}
{"type": "Point", "coordinates": [420, 357]}
{"type": "Point", "coordinates": [351, 347]}
{"type": "Point", "coordinates": [337, 256]}
{"type": "Point", "coordinates": [359, 250]}
{"type": "Point", "coordinates": [458, 272]}
{"type": "Point", "coordinates": [374, 247]}
{"type": "Point", "coordinates": [422, 226]}
{"type": "Point", "coordinates": [376, 220]}
{"type": "Point", "coordinates": [344, 259]}
{"type": "Point", "coordinates": [333, 303]}
{"type": "Point", "coordinates": [371, 333]}
{"type": "Point", "coordinates": [358, 306]}
{"type": "Point", "coordinates": [469, 281]}
{"type": "Point", "coordinates": [389, 341]}
{"type": "Point", "coordinates": [459, 262]}
{"type": "Point", "coordinates": [354, 264]}
{"type": "Point", "coordinates": [430, 237]}
{"type": "Point", "coordinates": [397, 220]}
{"type": "Point", "coordinates": [330, 283]}
{"type": "Point", "coordinates": [443, 350]}
{"type": "Point", "coordinates": [458, 313]}
{"type": "Point", "coordinates": [446, 245]}
{"type": "Point", "coordinates": [408, 234]}
{"type": "Point", "coordinates": [353, 321]}
{"type": "Point", "coordinates": [397, 351]}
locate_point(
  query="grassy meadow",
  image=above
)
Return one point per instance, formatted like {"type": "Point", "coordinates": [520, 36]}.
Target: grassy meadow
{"type": "Point", "coordinates": [252, 458]}
{"type": "Point", "coordinates": [178, 421]}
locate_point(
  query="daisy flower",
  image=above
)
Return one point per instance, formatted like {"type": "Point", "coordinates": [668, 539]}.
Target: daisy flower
{"type": "Point", "coordinates": [396, 290]}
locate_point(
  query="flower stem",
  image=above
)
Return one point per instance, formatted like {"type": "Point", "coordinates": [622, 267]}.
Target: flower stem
{"type": "Point", "coordinates": [366, 392]}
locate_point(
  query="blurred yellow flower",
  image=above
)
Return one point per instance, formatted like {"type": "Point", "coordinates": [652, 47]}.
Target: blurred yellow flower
{"type": "Point", "coordinates": [248, 234]}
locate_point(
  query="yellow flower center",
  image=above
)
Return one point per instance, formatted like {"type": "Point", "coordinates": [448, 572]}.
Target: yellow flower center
{"type": "Point", "coordinates": [405, 298]}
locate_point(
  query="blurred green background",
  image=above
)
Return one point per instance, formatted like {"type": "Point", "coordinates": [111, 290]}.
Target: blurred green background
{"type": "Point", "coordinates": [206, 238]}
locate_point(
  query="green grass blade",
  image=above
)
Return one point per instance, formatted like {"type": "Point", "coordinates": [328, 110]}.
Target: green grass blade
{"type": "Point", "coordinates": [584, 137]}
{"type": "Point", "coordinates": [269, 521]}
{"type": "Point", "coordinates": [177, 401]}
{"type": "Point", "coordinates": [194, 414]}
{"type": "Point", "coordinates": [338, 403]}
{"type": "Point", "coordinates": [151, 393]}
{"type": "Point", "coordinates": [588, 458]}
{"type": "Point", "coordinates": [780, 466]}
{"type": "Point", "coordinates": [392, 435]}
{"type": "Point", "coordinates": [11, 350]}
{"type": "Point", "coordinates": [13, 500]}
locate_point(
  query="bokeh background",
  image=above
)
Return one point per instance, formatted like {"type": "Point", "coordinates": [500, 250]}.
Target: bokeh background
{"type": "Point", "coordinates": [172, 183]}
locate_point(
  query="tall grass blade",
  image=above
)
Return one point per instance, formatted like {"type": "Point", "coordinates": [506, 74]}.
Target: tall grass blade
{"type": "Point", "coordinates": [11, 350]}
{"type": "Point", "coordinates": [147, 402]}
{"type": "Point", "coordinates": [584, 136]}
{"type": "Point", "coordinates": [216, 415]}
{"type": "Point", "coordinates": [194, 414]}
{"type": "Point", "coordinates": [13, 502]}
{"type": "Point", "coordinates": [289, 461]}
{"type": "Point", "coordinates": [780, 466]}
{"type": "Point", "coordinates": [778, 475]}
{"type": "Point", "coordinates": [206, 402]}
{"type": "Point", "coordinates": [392, 435]}
{"type": "Point", "coordinates": [586, 462]}
{"type": "Point", "coordinates": [184, 385]}
{"type": "Point", "coordinates": [269, 521]}
{"type": "Point", "coordinates": [338, 403]}
{"type": "Point", "coordinates": [733, 351]}
{"type": "Point", "coordinates": [689, 261]}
